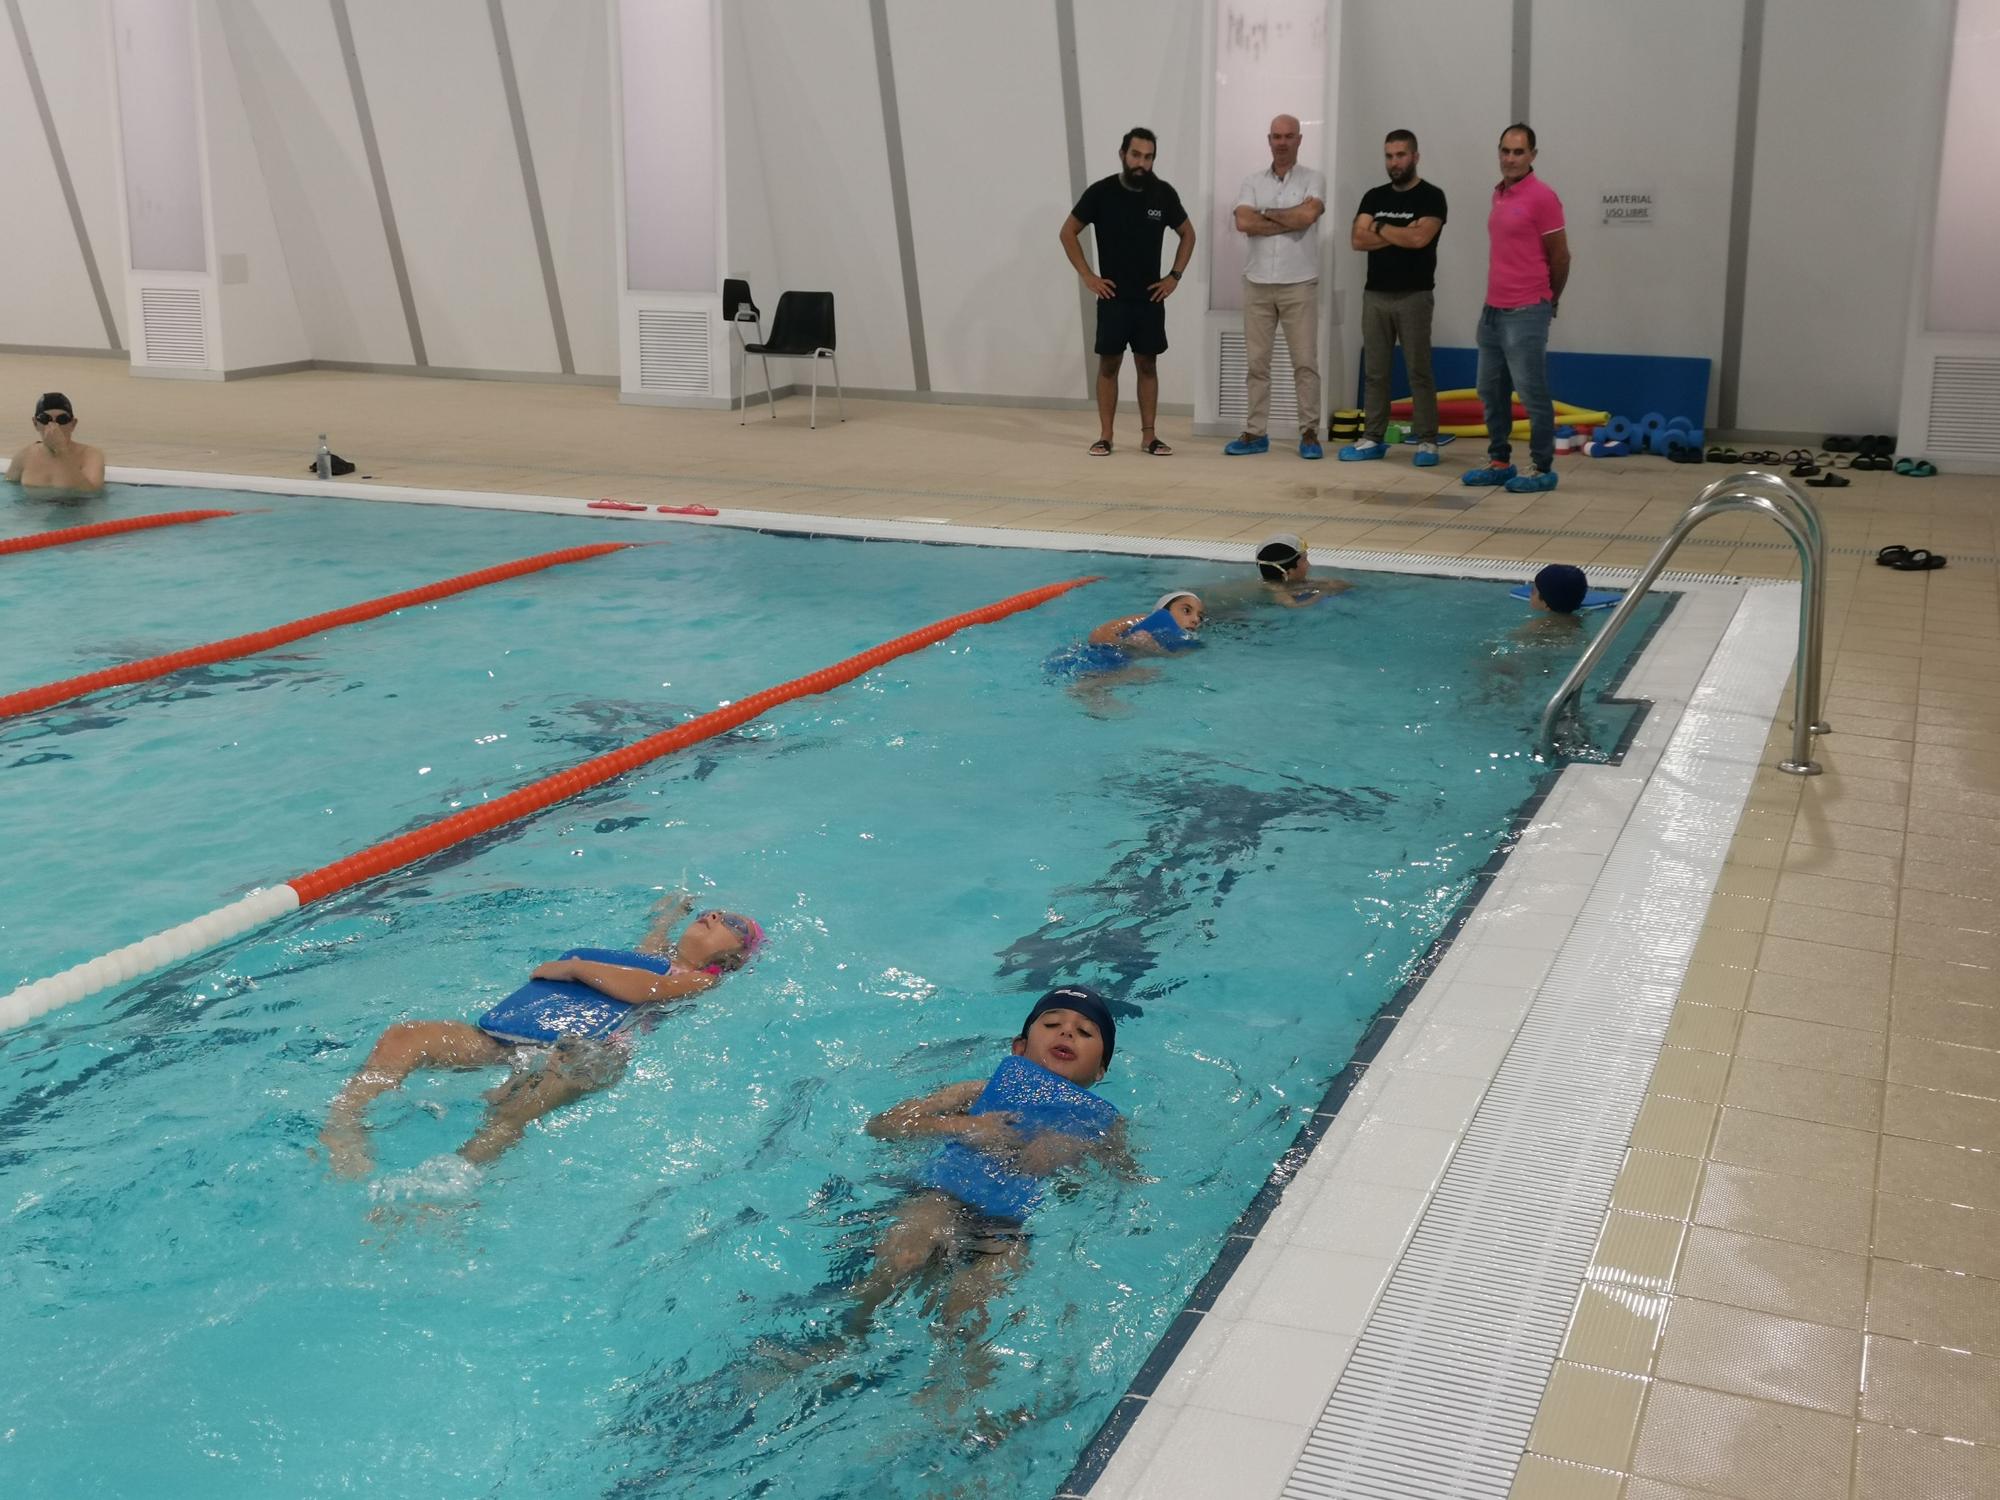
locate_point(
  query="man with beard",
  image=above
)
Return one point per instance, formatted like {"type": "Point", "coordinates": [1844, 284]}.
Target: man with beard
{"type": "Point", "coordinates": [1398, 226]}
{"type": "Point", "coordinates": [1132, 211]}
{"type": "Point", "coordinates": [1280, 209]}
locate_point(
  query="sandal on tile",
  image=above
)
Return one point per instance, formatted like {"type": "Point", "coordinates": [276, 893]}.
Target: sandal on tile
{"type": "Point", "coordinates": [1920, 560]}
{"type": "Point", "coordinates": [1892, 554]}
{"type": "Point", "coordinates": [1828, 481]}
{"type": "Point", "coordinates": [1804, 471]}
{"type": "Point", "coordinates": [1797, 456]}
{"type": "Point", "coordinates": [1923, 468]}
{"type": "Point", "coordinates": [1100, 448]}
{"type": "Point", "coordinates": [1155, 448]}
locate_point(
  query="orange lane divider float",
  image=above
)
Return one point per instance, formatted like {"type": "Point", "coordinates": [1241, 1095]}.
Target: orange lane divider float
{"type": "Point", "coordinates": [70, 534]}
{"type": "Point", "coordinates": [29, 700]}
{"type": "Point", "coordinates": [260, 906]}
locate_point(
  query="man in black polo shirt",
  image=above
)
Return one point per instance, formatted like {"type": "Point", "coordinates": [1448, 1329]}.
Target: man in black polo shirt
{"type": "Point", "coordinates": [1398, 226]}
{"type": "Point", "coordinates": [1133, 211]}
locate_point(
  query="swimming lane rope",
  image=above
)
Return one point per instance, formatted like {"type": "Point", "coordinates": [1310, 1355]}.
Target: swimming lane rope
{"type": "Point", "coordinates": [123, 965]}
{"type": "Point", "coordinates": [28, 700]}
{"type": "Point", "coordinates": [70, 534]}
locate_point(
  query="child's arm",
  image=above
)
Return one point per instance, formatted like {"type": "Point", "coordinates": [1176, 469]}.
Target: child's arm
{"type": "Point", "coordinates": [633, 986]}
{"type": "Point", "coordinates": [944, 1113]}
{"type": "Point", "coordinates": [668, 910]}
{"type": "Point", "coordinates": [1112, 632]}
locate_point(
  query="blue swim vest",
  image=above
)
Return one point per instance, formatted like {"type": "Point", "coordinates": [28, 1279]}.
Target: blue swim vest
{"type": "Point", "coordinates": [1165, 631]}
{"type": "Point", "coordinates": [1085, 660]}
{"type": "Point", "coordinates": [547, 1010]}
{"type": "Point", "coordinates": [1043, 1102]}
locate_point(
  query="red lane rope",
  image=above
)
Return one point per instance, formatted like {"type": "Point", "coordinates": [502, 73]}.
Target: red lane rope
{"type": "Point", "coordinates": [28, 700]}
{"type": "Point", "coordinates": [70, 534]}
{"type": "Point", "coordinates": [418, 843]}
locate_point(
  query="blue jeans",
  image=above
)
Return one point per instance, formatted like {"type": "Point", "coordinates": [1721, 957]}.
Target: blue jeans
{"type": "Point", "coordinates": [1514, 356]}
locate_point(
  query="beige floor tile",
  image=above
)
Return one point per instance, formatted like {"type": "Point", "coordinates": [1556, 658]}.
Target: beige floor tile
{"type": "Point", "coordinates": [1946, 1392]}
{"type": "Point", "coordinates": [1891, 1464]}
{"type": "Point", "coordinates": [1817, 961]}
{"type": "Point", "coordinates": [1948, 1236]}
{"type": "Point", "coordinates": [1731, 1445]}
{"type": "Point", "coordinates": [1636, 1252]}
{"type": "Point", "coordinates": [1774, 1276]}
{"type": "Point", "coordinates": [1949, 1066]}
{"type": "Point", "coordinates": [1832, 1049]}
{"type": "Point", "coordinates": [1541, 1478]}
{"type": "Point", "coordinates": [1685, 1074]}
{"type": "Point", "coordinates": [1677, 1127]}
{"type": "Point", "coordinates": [1657, 1185]}
{"type": "Point", "coordinates": [1933, 1115]}
{"type": "Point", "coordinates": [1704, 1028]}
{"type": "Point", "coordinates": [1934, 1307]}
{"type": "Point", "coordinates": [1588, 1417]}
{"type": "Point", "coordinates": [1759, 1354]}
{"type": "Point", "coordinates": [1950, 1174]}
{"type": "Point", "coordinates": [1840, 864]}
{"type": "Point", "coordinates": [1638, 1487]}
{"type": "Point", "coordinates": [1836, 895]}
{"type": "Point", "coordinates": [1747, 1201]}
{"type": "Point", "coordinates": [1952, 945]}
{"type": "Point", "coordinates": [1738, 913]}
{"type": "Point", "coordinates": [1931, 979]}
{"type": "Point", "coordinates": [1615, 1327]}
{"type": "Point", "coordinates": [1840, 929]}
{"type": "Point", "coordinates": [1859, 1005]}
{"type": "Point", "coordinates": [1937, 909]}
{"type": "Point", "coordinates": [1716, 985]}
{"type": "Point", "coordinates": [1797, 1148]}
{"type": "Point", "coordinates": [1805, 1094]}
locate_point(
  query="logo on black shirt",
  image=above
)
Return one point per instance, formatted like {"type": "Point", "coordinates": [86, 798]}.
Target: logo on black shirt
{"type": "Point", "coordinates": [1152, 213]}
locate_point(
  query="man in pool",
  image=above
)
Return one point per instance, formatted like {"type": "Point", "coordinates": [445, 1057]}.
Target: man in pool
{"type": "Point", "coordinates": [56, 460]}
{"type": "Point", "coordinates": [543, 1078]}
{"type": "Point", "coordinates": [1005, 1135]}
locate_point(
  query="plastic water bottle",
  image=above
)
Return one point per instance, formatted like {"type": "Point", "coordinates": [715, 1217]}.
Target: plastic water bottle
{"type": "Point", "coordinates": [325, 458]}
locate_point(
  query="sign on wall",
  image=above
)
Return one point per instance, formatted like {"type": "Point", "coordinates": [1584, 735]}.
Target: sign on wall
{"type": "Point", "coordinates": [1627, 208]}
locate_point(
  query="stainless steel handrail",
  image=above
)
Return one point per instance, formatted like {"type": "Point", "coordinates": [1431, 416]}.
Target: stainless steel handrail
{"type": "Point", "coordinates": [1808, 695]}
{"type": "Point", "coordinates": [1799, 521]}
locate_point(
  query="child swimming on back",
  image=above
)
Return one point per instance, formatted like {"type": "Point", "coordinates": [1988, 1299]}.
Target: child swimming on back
{"type": "Point", "coordinates": [1005, 1135]}
{"type": "Point", "coordinates": [559, 1039]}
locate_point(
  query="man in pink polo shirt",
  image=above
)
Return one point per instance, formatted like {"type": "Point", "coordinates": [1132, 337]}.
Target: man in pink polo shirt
{"type": "Point", "coordinates": [1527, 268]}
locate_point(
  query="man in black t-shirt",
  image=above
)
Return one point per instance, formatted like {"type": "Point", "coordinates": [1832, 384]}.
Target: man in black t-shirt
{"type": "Point", "coordinates": [1398, 226]}
{"type": "Point", "coordinates": [1132, 212]}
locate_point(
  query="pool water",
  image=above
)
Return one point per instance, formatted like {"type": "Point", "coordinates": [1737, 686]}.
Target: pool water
{"type": "Point", "coordinates": [1248, 851]}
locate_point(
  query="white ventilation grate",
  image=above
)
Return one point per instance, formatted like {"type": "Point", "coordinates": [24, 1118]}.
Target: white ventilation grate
{"type": "Point", "coordinates": [673, 350]}
{"type": "Point", "coordinates": [1965, 405]}
{"type": "Point", "coordinates": [1232, 399]}
{"type": "Point", "coordinates": [173, 327]}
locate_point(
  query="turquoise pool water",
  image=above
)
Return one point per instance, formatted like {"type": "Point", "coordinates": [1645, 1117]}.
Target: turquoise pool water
{"type": "Point", "coordinates": [1249, 852]}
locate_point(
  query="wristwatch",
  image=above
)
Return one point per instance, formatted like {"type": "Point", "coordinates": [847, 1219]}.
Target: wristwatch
{"type": "Point", "coordinates": [1173, 276]}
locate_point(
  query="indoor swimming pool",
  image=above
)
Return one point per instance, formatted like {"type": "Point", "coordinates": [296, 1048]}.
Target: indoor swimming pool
{"type": "Point", "coordinates": [1251, 851]}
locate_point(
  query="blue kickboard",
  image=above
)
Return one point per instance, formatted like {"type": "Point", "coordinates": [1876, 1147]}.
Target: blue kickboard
{"type": "Point", "coordinates": [1593, 599]}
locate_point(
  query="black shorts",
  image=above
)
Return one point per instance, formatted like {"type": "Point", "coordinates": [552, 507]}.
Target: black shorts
{"type": "Point", "coordinates": [1122, 323]}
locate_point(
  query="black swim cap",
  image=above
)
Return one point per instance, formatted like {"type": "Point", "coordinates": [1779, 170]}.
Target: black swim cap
{"type": "Point", "coordinates": [1087, 1003]}
{"type": "Point", "coordinates": [1562, 587]}
{"type": "Point", "coordinates": [1278, 556]}
{"type": "Point", "coordinates": [54, 401]}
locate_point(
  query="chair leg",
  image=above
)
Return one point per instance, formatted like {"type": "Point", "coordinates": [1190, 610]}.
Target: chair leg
{"type": "Point", "coordinates": [742, 392]}
{"type": "Point", "coordinates": [770, 399]}
{"type": "Point", "coordinates": [812, 419]}
{"type": "Point", "coordinates": [837, 390]}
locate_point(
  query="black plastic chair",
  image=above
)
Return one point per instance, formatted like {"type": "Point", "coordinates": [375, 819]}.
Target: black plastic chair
{"type": "Point", "coordinates": [802, 328]}
{"type": "Point", "coordinates": [738, 308]}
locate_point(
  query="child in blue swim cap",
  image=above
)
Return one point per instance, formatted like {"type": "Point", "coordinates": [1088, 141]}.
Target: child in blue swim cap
{"type": "Point", "coordinates": [1004, 1136]}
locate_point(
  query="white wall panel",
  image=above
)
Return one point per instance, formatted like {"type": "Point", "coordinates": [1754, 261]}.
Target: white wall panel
{"type": "Point", "coordinates": [1440, 68]}
{"type": "Point", "coordinates": [260, 320]}
{"type": "Point", "coordinates": [1140, 64]}
{"type": "Point", "coordinates": [1847, 137]}
{"type": "Point", "coordinates": [301, 114]}
{"type": "Point", "coordinates": [979, 88]}
{"type": "Point", "coordinates": [1624, 103]}
{"type": "Point", "coordinates": [45, 295]}
{"type": "Point", "coordinates": [71, 43]}
{"type": "Point", "coordinates": [819, 113]}
{"type": "Point", "coordinates": [562, 66]}
{"type": "Point", "coordinates": [750, 240]}
{"type": "Point", "coordinates": [454, 177]}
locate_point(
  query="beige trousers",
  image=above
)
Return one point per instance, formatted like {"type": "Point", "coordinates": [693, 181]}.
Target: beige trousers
{"type": "Point", "coordinates": [1295, 304]}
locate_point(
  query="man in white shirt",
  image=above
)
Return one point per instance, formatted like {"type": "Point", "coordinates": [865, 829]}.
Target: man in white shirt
{"type": "Point", "coordinates": [1280, 210]}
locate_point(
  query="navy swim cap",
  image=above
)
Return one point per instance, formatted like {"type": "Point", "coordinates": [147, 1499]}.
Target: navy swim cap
{"type": "Point", "coordinates": [54, 401]}
{"type": "Point", "coordinates": [1087, 1003]}
{"type": "Point", "coordinates": [1562, 587]}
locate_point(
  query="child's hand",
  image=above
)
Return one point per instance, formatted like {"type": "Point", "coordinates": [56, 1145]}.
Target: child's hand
{"type": "Point", "coordinates": [993, 1131]}
{"type": "Point", "coordinates": [673, 905]}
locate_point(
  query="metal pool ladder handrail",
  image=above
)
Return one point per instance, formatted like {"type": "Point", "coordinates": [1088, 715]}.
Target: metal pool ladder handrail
{"type": "Point", "coordinates": [1764, 494]}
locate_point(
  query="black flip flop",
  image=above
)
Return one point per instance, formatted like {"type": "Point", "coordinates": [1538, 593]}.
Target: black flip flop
{"type": "Point", "coordinates": [1920, 560]}
{"type": "Point", "coordinates": [1797, 456]}
{"type": "Point", "coordinates": [1804, 471]}
{"type": "Point", "coordinates": [1828, 481]}
{"type": "Point", "coordinates": [1835, 443]}
{"type": "Point", "coordinates": [1101, 448]}
{"type": "Point", "coordinates": [1889, 556]}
